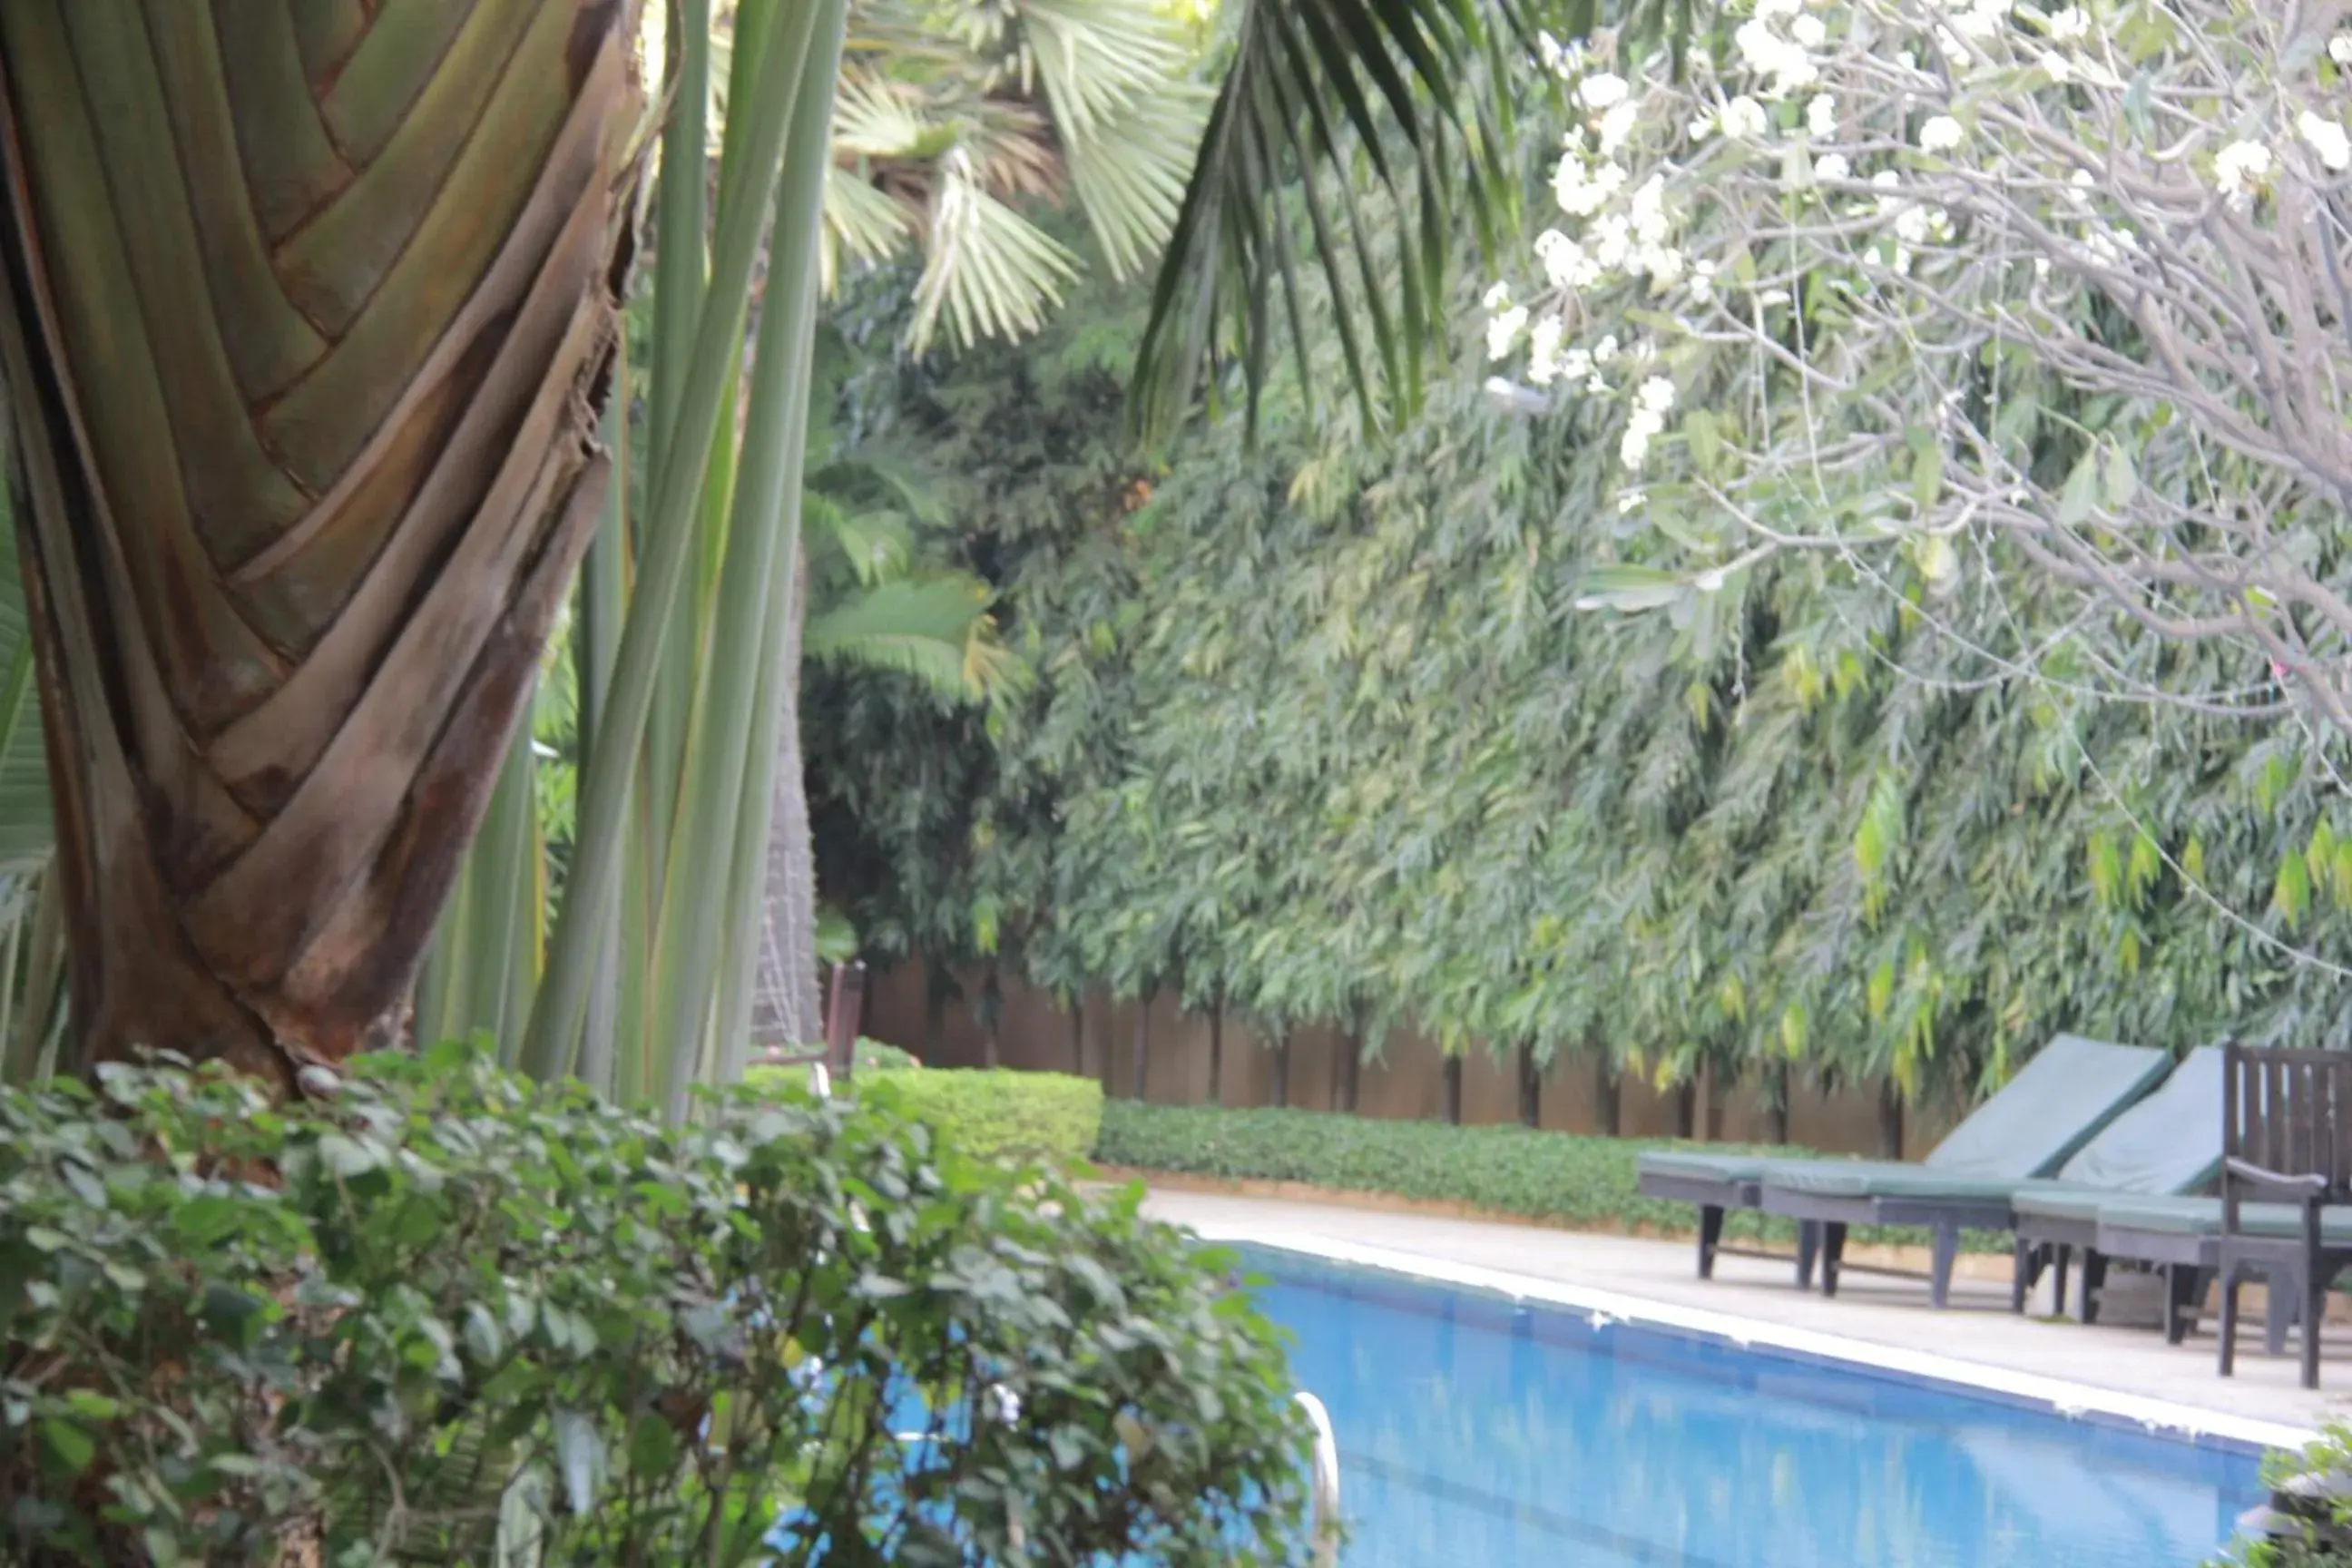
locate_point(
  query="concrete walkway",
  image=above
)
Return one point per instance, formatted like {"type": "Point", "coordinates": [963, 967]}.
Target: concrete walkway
{"type": "Point", "coordinates": [1888, 1314]}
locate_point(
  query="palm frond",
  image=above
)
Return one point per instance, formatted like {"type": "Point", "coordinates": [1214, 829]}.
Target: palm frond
{"type": "Point", "coordinates": [990, 272]}
{"type": "Point", "coordinates": [1314, 90]}
{"type": "Point", "coordinates": [919, 626]}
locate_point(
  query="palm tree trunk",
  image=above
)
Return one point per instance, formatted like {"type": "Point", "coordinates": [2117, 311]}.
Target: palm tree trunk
{"type": "Point", "coordinates": [1451, 1109]}
{"type": "Point", "coordinates": [1531, 1087]}
{"type": "Point", "coordinates": [790, 1010]}
{"type": "Point", "coordinates": [305, 392]}
{"type": "Point", "coordinates": [1890, 1121]}
{"type": "Point", "coordinates": [1608, 1095]}
{"type": "Point", "coordinates": [1282, 1070]}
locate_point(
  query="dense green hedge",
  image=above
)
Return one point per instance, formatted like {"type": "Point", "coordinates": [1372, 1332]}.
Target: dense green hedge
{"type": "Point", "coordinates": [1580, 1183]}
{"type": "Point", "coordinates": [998, 1114]}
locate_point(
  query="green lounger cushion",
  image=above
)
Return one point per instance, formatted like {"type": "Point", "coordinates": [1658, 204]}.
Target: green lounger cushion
{"type": "Point", "coordinates": [1872, 1179]}
{"type": "Point", "coordinates": [2202, 1216]}
{"type": "Point", "coordinates": [2169, 1142]}
{"type": "Point", "coordinates": [2059, 1101]}
{"type": "Point", "coordinates": [1692, 1164]}
{"type": "Point", "coordinates": [2059, 1200]}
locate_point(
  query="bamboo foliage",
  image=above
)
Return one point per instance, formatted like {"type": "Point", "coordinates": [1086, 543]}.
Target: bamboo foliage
{"type": "Point", "coordinates": [305, 329]}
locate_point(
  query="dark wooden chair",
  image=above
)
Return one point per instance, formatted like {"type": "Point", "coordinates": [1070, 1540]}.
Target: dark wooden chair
{"type": "Point", "coordinates": [2286, 1138]}
{"type": "Point", "coordinates": [843, 1011]}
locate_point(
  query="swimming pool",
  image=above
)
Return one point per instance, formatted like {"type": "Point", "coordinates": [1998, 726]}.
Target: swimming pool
{"type": "Point", "coordinates": [1476, 1430]}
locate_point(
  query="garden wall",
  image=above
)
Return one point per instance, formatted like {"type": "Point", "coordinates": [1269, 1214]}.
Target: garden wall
{"type": "Point", "coordinates": [1406, 1082]}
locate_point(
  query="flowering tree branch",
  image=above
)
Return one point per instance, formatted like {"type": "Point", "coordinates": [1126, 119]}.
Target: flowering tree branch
{"type": "Point", "coordinates": [1950, 286]}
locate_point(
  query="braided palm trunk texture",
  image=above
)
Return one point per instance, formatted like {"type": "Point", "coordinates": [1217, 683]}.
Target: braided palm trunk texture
{"type": "Point", "coordinates": [309, 308]}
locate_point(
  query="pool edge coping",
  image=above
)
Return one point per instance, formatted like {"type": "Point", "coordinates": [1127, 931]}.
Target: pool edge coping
{"type": "Point", "coordinates": [2063, 1397]}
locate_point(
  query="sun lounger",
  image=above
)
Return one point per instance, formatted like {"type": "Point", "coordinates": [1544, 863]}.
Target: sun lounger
{"type": "Point", "coordinates": [2057, 1102]}
{"type": "Point", "coordinates": [2166, 1145]}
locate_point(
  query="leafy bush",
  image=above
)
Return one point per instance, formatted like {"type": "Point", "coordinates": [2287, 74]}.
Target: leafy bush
{"type": "Point", "coordinates": [878, 1056]}
{"type": "Point", "coordinates": [998, 1114]}
{"type": "Point", "coordinates": [448, 1307]}
{"type": "Point", "coordinates": [2321, 1534]}
{"type": "Point", "coordinates": [1580, 1183]}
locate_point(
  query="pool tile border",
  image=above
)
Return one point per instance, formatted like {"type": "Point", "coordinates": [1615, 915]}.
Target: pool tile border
{"type": "Point", "coordinates": [2073, 1400]}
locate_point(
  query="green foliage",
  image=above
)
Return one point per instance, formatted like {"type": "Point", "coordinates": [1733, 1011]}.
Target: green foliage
{"type": "Point", "coordinates": [999, 1115]}
{"type": "Point", "coordinates": [445, 1298]}
{"type": "Point", "coordinates": [1580, 1184]}
{"type": "Point", "coordinates": [1318, 732]}
{"type": "Point", "coordinates": [2326, 1538]}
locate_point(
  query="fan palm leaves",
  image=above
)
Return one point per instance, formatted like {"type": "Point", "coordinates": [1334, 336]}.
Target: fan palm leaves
{"type": "Point", "coordinates": [951, 120]}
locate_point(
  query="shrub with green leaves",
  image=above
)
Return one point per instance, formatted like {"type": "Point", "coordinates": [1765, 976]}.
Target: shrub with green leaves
{"type": "Point", "coordinates": [446, 1307]}
{"type": "Point", "coordinates": [999, 1113]}
{"type": "Point", "coordinates": [2317, 1531]}
{"type": "Point", "coordinates": [1576, 1182]}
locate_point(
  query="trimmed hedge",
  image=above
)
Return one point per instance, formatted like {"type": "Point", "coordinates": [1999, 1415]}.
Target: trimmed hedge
{"type": "Point", "coordinates": [1559, 1178]}
{"type": "Point", "coordinates": [997, 1114]}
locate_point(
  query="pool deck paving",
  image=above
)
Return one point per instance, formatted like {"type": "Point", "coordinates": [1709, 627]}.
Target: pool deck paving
{"type": "Point", "coordinates": [1875, 1319]}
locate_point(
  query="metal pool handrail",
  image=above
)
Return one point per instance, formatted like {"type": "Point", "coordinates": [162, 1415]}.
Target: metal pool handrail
{"type": "Point", "coordinates": [1327, 1481]}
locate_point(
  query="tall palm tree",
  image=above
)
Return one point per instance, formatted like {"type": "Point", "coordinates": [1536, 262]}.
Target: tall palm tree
{"type": "Point", "coordinates": [308, 310]}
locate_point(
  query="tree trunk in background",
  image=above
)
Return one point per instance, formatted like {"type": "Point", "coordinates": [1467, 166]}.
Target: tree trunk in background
{"type": "Point", "coordinates": [1217, 1052]}
{"type": "Point", "coordinates": [1608, 1097]}
{"type": "Point", "coordinates": [1077, 1006]}
{"type": "Point", "coordinates": [304, 394]}
{"type": "Point", "coordinates": [1282, 1070]}
{"type": "Point", "coordinates": [1687, 1109]}
{"type": "Point", "coordinates": [1142, 1043]}
{"type": "Point", "coordinates": [938, 987]}
{"type": "Point", "coordinates": [992, 1019]}
{"type": "Point", "coordinates": [1345, 1063]}
{"type": "Point", "coordinates": [1890, 1121]}
{"type": "Point", "coordinates": [1531, 1087]}
{"type": "Point", "coordinates": [1451, 1109]}
{"type": "Point", "coordinates": [790, 1008]}
{"type": "Point", "coordinates": [1776, 1110]}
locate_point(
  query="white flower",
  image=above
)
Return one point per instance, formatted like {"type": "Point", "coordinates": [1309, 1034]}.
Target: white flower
{"type": "Point", "coordinates": [2240, 169]}
{"type": "Point", "coordinates": [1767, 53]}
{"type": "Point", "coordinates": [1941, 134]}
{"type": "Point", "coordinates": [2327, 139]}
{"type": "Point", "coordinates": [2339, 48]}
{"type": "Point", "coordinates": [1701, 127]}
{"type": "Point", "coordinates": [1657, 395]}
{"type": "Point", "coordinates": [1567, 264]}
{"type": "Point", "coordinates": [1809, 32]}
{"type": "Point", "coordinates": [1613, 240]}
{"type": "Point", "coordinates": [1504, 331]}
{"type": "Point", "coordinates": [2070, 25]}
{"type": "Point", "coordinates": [1543, 350]}
{"type": "Point", "coordinates": [1885, 180]}
{"type": "Point", "coordinates": [1702, 282]}
{"type": "Point", "coordinates": [1911, 225]}
{"type": "Point", "coordinates": [2055, 66]}
{"type": "Point", "coordinates": [1772, 9]}
{"type": "Point", "coordinates": [1577, 366]}
{"type": "Point", "coordinates": [1618, 123]}
{"type": "Point", "coordinates": [1648, 211]}
{"type": "Point", "coordinates": [1603, 89]}
{"type": "Point", "coordinates": [1832, 166]}
{"type": "Point", "coordinates": [1743, 117]}
{"type": "Point", "coordinates": [1630, 501]}
{"type": "Point", "coordinates": [1633, 447]}
{"type": "Point", "coordinates": [1821, 116]}
{"type": "Point", "coordinates": [1495, 297]}
{"type": "Point", "coordinates": [1605, 350]}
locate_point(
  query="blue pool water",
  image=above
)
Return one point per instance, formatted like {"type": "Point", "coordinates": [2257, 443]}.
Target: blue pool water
{"type": "Point", "coordinates": [1478, 1433]}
